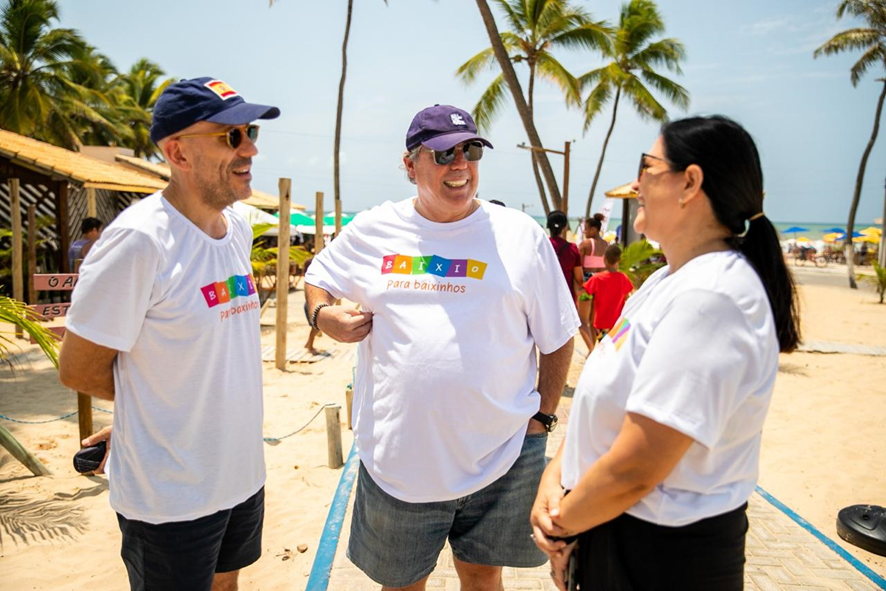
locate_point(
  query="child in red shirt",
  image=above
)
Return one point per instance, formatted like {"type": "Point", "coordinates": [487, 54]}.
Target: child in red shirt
{"type": "Point", "coordinates": [609, 289]}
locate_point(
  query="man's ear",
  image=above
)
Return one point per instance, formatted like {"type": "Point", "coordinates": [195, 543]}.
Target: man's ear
{"type": "Point", "coordinates": [410, 167]}
{"type": "Point", "coordinates": [693, 178]}
{"type": "Point", "coordinates": [174, 155]}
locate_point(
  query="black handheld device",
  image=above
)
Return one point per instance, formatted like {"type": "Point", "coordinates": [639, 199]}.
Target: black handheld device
{"type": "Point", "coordinates": [88, 459]}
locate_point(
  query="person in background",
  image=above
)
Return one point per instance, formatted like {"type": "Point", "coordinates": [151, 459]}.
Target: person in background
{"type": "Point", "coordinates": [90, 231]}
{"type": "Point", "coordinates": [662, 448]}
{"type": "Point", "coordinates": [607, 291]}
{"type": "Point", "coordinates": [567, 252]}
{"type": "Point", "coordinates": [591, 251]}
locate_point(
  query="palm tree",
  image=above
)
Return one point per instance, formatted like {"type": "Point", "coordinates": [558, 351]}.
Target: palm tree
{"type": "Point", "coordinates": [633, 57]}
{"type": "Point", "coordinates": [38, 98]}
{"type": "Point", "coordinates": [871, 39]}
{"type": "Point", "coordinates": [140, 89]}
{"type": "Point", "coordinates": [537, 27]}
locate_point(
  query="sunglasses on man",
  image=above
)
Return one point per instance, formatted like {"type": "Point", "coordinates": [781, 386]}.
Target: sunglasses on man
{"type": "Point", "coordinates": [233, 136]}
{"type": "Point", "coordinates": [473, 151]}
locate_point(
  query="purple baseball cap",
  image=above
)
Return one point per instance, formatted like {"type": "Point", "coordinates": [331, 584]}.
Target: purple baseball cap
{"type": "Point", "coordinates": [441, 127]}
{"type": "Point", "coordinates": [203, 99]}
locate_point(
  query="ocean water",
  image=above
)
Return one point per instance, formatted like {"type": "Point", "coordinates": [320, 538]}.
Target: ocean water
{"type": "Point", "coordinates": [813, 231]}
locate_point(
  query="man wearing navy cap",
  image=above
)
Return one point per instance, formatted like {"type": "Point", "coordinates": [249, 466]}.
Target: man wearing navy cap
{"type": "Point", "coordinates": [165, 322]}
{"type": "Point", "coordinates": [451, 409]}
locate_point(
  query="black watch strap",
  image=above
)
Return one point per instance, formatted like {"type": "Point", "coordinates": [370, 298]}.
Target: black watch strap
{"type": "Point", "coordinates": [549, 421]}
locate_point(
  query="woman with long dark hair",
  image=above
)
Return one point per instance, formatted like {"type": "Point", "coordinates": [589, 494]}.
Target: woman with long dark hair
{"type": "Point", "coordinates": [662, 448]}
{"type": "Point", "coordinates": [591, 249]}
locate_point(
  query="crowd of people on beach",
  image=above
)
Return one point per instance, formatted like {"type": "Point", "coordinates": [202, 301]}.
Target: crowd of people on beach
{"type": "Point", "coordinates": [457, 387]}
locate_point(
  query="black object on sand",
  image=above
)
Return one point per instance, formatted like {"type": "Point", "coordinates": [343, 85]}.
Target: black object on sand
{"type": "Point", "coordinates": [864, 526]}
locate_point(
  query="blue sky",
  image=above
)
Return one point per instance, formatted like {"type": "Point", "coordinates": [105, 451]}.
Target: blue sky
{"type": "Point", "coordinates": [750, 60]}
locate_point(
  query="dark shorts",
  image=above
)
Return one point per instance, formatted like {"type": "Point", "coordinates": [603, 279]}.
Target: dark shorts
{"type": "Point", "coordinates": [629, 554]}
{"type": "Point", "coordinates": [397, 543]}
{"type": "Point", "coordinates": [185, 555]}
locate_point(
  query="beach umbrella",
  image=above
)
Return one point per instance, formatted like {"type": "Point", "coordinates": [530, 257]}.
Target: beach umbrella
{"type": "Point", "coordinates": [833, 237]}
{"type": "Point", "coordinates": [871, 230]}
{"type": "Point", "coordinates": [834, 230]}
{"type": "Point", "coordinates": [256, 216]}
{"type": "Point", "coordinates": [867, 238]}
{"type": "Point", "coordinates": [329, 219]}
{"type": "Point", "coordinates": [794, 230]}
{"type": "Point", "coordinates": [297, 218]}
{"type": "Point", "coordinates": [803, 239]}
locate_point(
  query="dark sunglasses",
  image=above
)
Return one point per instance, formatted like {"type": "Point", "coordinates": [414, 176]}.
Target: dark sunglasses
{"type": "Point", "coordinates": [233, 136]}
{"type": "Point", "coordinates": [473, 151]}
{"type": "Point", "coordinates": [644, 166]}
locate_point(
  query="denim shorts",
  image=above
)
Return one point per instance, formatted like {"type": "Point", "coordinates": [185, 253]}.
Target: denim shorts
{"type": "Point", "coordinates": [397, 543]}
{"type": "Point", "coordinates": [186, 555]}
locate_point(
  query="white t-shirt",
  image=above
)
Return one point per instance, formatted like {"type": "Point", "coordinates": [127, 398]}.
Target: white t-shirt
{"type": "Point", "coordinates": [695, 351]}
{"type": "Point", "coordinates": [446, 382]}
{"type": "Point", "coordinates": [182, 310]}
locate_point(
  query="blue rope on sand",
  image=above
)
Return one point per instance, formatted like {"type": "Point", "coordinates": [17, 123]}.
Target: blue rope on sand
{"type": "Point", "coordinates": [61, 418]}
{"type": "Point", "coordinates": [272, 439]}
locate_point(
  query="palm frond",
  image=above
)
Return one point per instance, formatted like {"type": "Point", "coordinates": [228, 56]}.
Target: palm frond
{"type": "Point", "coordinates": [644, 103]}
{"type": "Point", "coordinates": [597, 101]}
{"type": "Point", "coordinates": [874, 55]}
{"type": "Point", "coordinates": [673, 91]}
{"type": "Point", "coordinates": [666, 52]}
{"type": "Point", "coordinates": [481, 62]}
{"type": "Point", "coordinates": [852, 39]}
{"type": "Point", "coordinates": [553, 71]}
{"type": "Point", "coordinates": [18, 314]}
{"type": "Point", "coordinates": [490, 104]}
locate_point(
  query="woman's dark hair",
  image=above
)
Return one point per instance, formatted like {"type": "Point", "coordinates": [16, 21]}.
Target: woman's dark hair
{"type": "Point", "coordinates": [733, 182]}
{"type": "Point", "coordinates": [556, 222]}
{"type": "Point", "coordinates": [596, 221]}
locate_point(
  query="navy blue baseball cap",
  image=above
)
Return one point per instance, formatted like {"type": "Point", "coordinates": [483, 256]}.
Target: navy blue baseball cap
{"type": "Point", "coordinates": [441, 127]}
{"type": "Point", "coordinates": [203, 99]}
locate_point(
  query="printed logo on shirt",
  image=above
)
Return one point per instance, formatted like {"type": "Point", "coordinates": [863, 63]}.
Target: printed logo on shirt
{"type": "Point", "coordinates": [222, 292]}
{"type": "Point", "coordinates": [619, 332]}
{"type": "Point", "coordinates": [434, 265]}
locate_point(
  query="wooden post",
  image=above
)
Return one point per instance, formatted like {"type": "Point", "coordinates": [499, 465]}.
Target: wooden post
{"type": "Point", "coordinates": [565, 202]}
{"type": "Point", "coordinates": [84, 414]}
{"type": "Point", "coordinates": [32, 252]}
{"type": "Point", "coordinates": [91, 209]}
{"type": "Point", "coordinates": [61, 210]}
{"type": "Point", "coordinates": [318, 224]}
{"type": "Point", "coordinates": [285, 186]}
{"type": "Point", "coordinates": [349, 402]}
{"type": "Point", "coordinates": [333, 437]}
{"type": "Point", "coordinates": [16, 214]}
{"type": "Point", "coordinates": [21, 454]}
{"type": "Point", "coordinates": [337, 217]}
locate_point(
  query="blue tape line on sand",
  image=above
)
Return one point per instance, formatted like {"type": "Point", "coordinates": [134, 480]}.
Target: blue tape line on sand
{"type": "Point", "coordinates": [877, 579]}
{"type": "Point", "coordinates": [320, 571]}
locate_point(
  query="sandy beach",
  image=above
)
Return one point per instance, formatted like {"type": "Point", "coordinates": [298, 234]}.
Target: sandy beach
{"type": "Point", "coordinates": [823, 449]}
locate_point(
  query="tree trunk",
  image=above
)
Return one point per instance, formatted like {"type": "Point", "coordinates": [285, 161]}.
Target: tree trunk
{"type": "Point", "coordinates": [510, 76]}
{"type": "Point", "coordinates": [538, 181]}
{"type": "Point", "coordinates": [341, 100]}
{"type": "Point", "coordinates": [850, 226]}
{"type": "Point", "coordinates": [602, 156]}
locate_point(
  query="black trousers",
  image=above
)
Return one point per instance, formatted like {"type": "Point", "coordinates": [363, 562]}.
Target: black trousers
{"type": "Point", "coordinates": [629, 554]}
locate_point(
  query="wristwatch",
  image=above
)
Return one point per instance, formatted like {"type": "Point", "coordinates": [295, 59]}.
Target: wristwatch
{"type": "Point", "coordinates": [549, 421]}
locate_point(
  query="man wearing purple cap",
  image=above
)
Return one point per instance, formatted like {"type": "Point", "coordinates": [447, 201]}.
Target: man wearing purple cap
{"type": "Point", "coordinates": [451, 409]}
{"type": "Point", "coordinates": [165, 322]}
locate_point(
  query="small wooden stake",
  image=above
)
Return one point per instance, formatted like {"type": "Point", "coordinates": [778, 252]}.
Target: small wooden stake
{"type": "Point", "coordinates": [349, 402]}
{"type": "Point", "coordinates": [318, 223]}
{"type": "Point", "coordinates": [333, 437]}
{"type": "Point", "coordinates": [32, 252]}
{"type": "Point", "coordinates": [18, 291]}
{"type": "Point", "coordinates": [21, 454]}
{"type": "Point", "coordinates": [84, 414]}
{"type": "Point", "coordinates": [285, 186]}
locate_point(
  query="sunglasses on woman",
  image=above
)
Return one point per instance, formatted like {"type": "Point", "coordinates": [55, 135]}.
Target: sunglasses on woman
{"type": "Point", "coordinates": [233, 136]}
{"type": "Point", "coordinates": [644, 166]}
{"type": "Point", "coordinates": [473, 151]}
